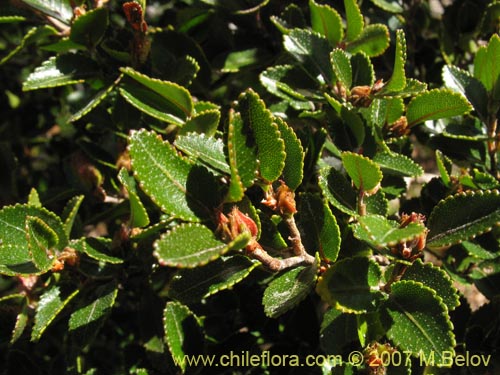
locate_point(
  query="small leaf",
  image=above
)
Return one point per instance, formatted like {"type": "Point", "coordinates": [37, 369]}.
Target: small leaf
{"type": "Point", "coordinates": [293, 172]}
{"type": "Point", "coordinates": [193, 285]}
{"type": "Point", "coordinates": [138, 214]}
{"type": "Point", "coordinates": [26, 232]}
{"type": "Point", "coordinates": [312, 50]}
{"type": "Point", "coordinates": [418, 321]}
{"type": "Point", "coordinates": [462, 82]}
{"type": "Point", "coordinates": [486, 67]}
{"type": "Point", "coordinates": [242, 155]}
{"type": "Point", "coordinates": [92, 309]}
{"type": "Point", "coordinates": [477, 251]}
{"type": "Point", "coordinates": [386, 111]}
{"type": "Point", "coordinates": [288, 289]}
{"type": "Point", "coordinates": [289, 83]}
{"type": "Point", "coordinates": [319, 229]}
{"type": "Point", "coordinates": [434, 105]}
{"type": "Point", "coordinates": [377, 204]}
{"type": "Point", "coordinates": [363, 73]}
{"type": "Point", "coordinates": [444, 165]}
{"type": "Point", "coordinates": [342, 68]}
{"type": "Point", "coordinates": [203, 122]}
{"type": "Point", "coordinates": [69, 213]}
{"type": "Point", "coordinates": [397, 81]}
{"type": "Point", "coordinates": [59, 9]}
{"type": "Point", "coordinates": [337, 330]}
{"type": "Point", "coordinates": [365, 174]}
{"type": "Point", "coordinates": [436, 279]}
{"type": "Point", "coordinates": [97, 248]}
{"type": "Point", "coordinates": [207, 150]}
{"type": "Point", "coordinates": [94, 102]}
{"type": "Point", "coordinates": [164, 175]}
{"type": "Point", "coordinates": [392, 163]}
{"type": "Point", "coordinates": [382, 232]}
{"type": "Point", "coordinates": [237, 60]}
{"type": "Point", "coordinates": [192, 245]}
{"type": "Point", "coordinates": [392, 6]}
{"type": "Point", "coordinates": [337, 190]}
{"type": "Point", "coordinates": [89, 28]}
{"type": "Point", "coordinates": [182, 332]}
{"type": "Point", "coordinates": [351, 285]}
{"type": "Point", "coordinates": [373, 41]}
{"type": "Point", "coordinates": [34, 198]}
{"type": "Point", "coordinates": [463, 216]}
{"type": "Point", "coordinates": [326, 21]}
{"type": "Point", "coordinates": [60, 71]}
{"type": "Point", "coordinates": [354, 20]}
{"type": "Point", "coordinates": [270, 145]}
{"type": "Point", "coordinates": [51, 303]}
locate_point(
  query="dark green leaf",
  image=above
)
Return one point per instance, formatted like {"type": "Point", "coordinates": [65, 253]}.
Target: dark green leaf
{"type": "Point", "coordinates": [337, 190]}
{"type": "Point", "coordinates": [270, 146]}
{"type": "Point", "coordinates": [288, 289]}
{"type": "Point", "coordinates": [337, 330]}
{"type": "Point", "coordinates": [312, 50]}
{"type": "Point", "coordinates": [69, 213]}
{"type": "Point", "coordinates": [342, 68]}
{"type": "Point", "coordinates": [138, 214]}
{"type": "Point", "coordinates": [89, 28]}
{"type": "Point", "coordinates": [41, 241]}
{"type": "Point", "coordinates": [397, 81]}
{"type": "Point", "coordinates": [51, 303]}
{"type": "Point", "coordinates": [193, 285]}
{"type": "Point", "coordinates": [94, 102]}
{"type": "Point", "coordinates": [444, 165]}
{"type": "Point", "coordinates": [397, 164]}
{"type": "Point", "coordinates": [319, 229]}
{"type": "Point", "coordinates": [60, 71]}
{"type": "Point", "coordinates": [165, 176]}
{"type": "Point", "coordinates": [351, 285]}
{"type": "Point", "coordinates": [486, 67]}
{"type": "Point", "coordinates": [373, 41]}
{"type": "Point", "coordinates": [362, 70]}
{"type": "Point", "coordinates": [59, 9]}
{"type": "Point", "coordinates": [293, 172]}
{"type": "Point", "coordinates": [463, 216]}
{"type": "Point", "coordinates": [365, 174]}
{"type": "Point", "coordinates": [377, 204]}
{"type": "Point", "coordinates": [326, 21]}
{"type": "Point", "coordinates": [97, 248]}
{"type": "Point", "coordinates": [434, 105]}
{"type": "Point", "coordinates": [192, 245]}
{"type": "Point", "coordinates": [417, 320]}
{"type": "Point", "coordinates": [237, 60]}
{"type": "Point", "coordinates": [203, 122]}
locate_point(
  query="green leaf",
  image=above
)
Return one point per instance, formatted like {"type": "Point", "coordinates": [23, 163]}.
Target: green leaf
{"type": "Point", "coordinates": [165, 176]}
{"type": "Point", "coordinates": [69, 213]}
{"type": "Point", "coordinates": [337, 190]}
{"type": "Point", "coordinates": [436, 104]}
{"type": "Point", "coordinates": [373, 41]}
{"type": "Point", "coordinates": [365, 174]}
{"type": "Point", "coordinates": [436, 279]}
{"type": "Point", "coordinates": [444, 165]}
{"type": "Point", "coordinates": [392, 6]}
{"type": "Point", "coordinates": [362, 70]}
{"type": "Point", "coordinates": [477, 251]}
{"type": "Point", "coordinates": [94, 102]}
{"type": "Point", "coordinates": [382, 232]}
{"type": "Point", "coordinates": [486, 65]}
{"type": "Point", "coordinates": [397, 81]}
{"type": "Point", "coordinates": [289, 83]}
{"type": "Point", "coordinates": [242, 155]}
{"type": "Point", "coordinates": [97, 248]}
{"type": "Point", "coordinates": [351, 285]}
{"type": "Point", "coordinates": [270, 145]}
{"type": "Point", "coordinates": [25, 234]}
{"type": "Point", "coordinates": [60, 71]}
{"type": "Point", "coordinates": [89, 28]}
{"type": "Point", "coordinates": [237, 60]}
{"type": "Point", "coordinates": [342, 68]}
{"type": "Point", "coordinates": [462, 82]}
{"type": "Point", "coordinates": [392, 163]}
{"type": "Point", "coordinates": [337, 330]}
{"type": "Point", "coordinates": [319, 229]}
{"type": "Point", "coordinates": [293, 172]}
{"type": "Point", "coordinates": [326, 21]}
{"type": "Point", "coordinates": [192, 245]}
{"type": "Point", "coordinates": [312, 50]}
{"type": "Point", "coordinates": [41, 240]}
{"type": "Point", "coordinates": [51, 303]}
{"type": "Point", "coordinates": [138, 214]}
{"type": "Point", "coordinates": [34, 198]}
{"type": "Point", "coordinates": [377, 204]}
{"type": "Point", "coordinates": [386, 111]}
{"type": "Point", "coordinates": [34, 35]}
{"type": "Point", "coordinates": [182, 332]}
{"type": "Point", "coordinates": [93, 309]}
{"type": "Point", "coordinates": [207, 150]}
{"type": "Point", "coordinates": [418, 321]}
{"type": "Point", "coordinates": [203, 122]}
{"type": "Point", "coordinates": [354, 20]}
{"type": "Point", "coordinates": [59, 9]}
{"type": "Point", "coordinates": [193, 285]}
{"type": "Point", "coordinates": [463, 216]}
{"type": "Point", "coordinates": [288, 289]}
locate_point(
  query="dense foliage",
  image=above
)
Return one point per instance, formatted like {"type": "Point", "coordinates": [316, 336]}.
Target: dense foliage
{"type": "Point", "coordinates": [217, 178]}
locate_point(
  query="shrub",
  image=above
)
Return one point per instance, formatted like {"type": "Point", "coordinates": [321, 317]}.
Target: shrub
{"type": "Point", "coordinates": [211, 180]}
